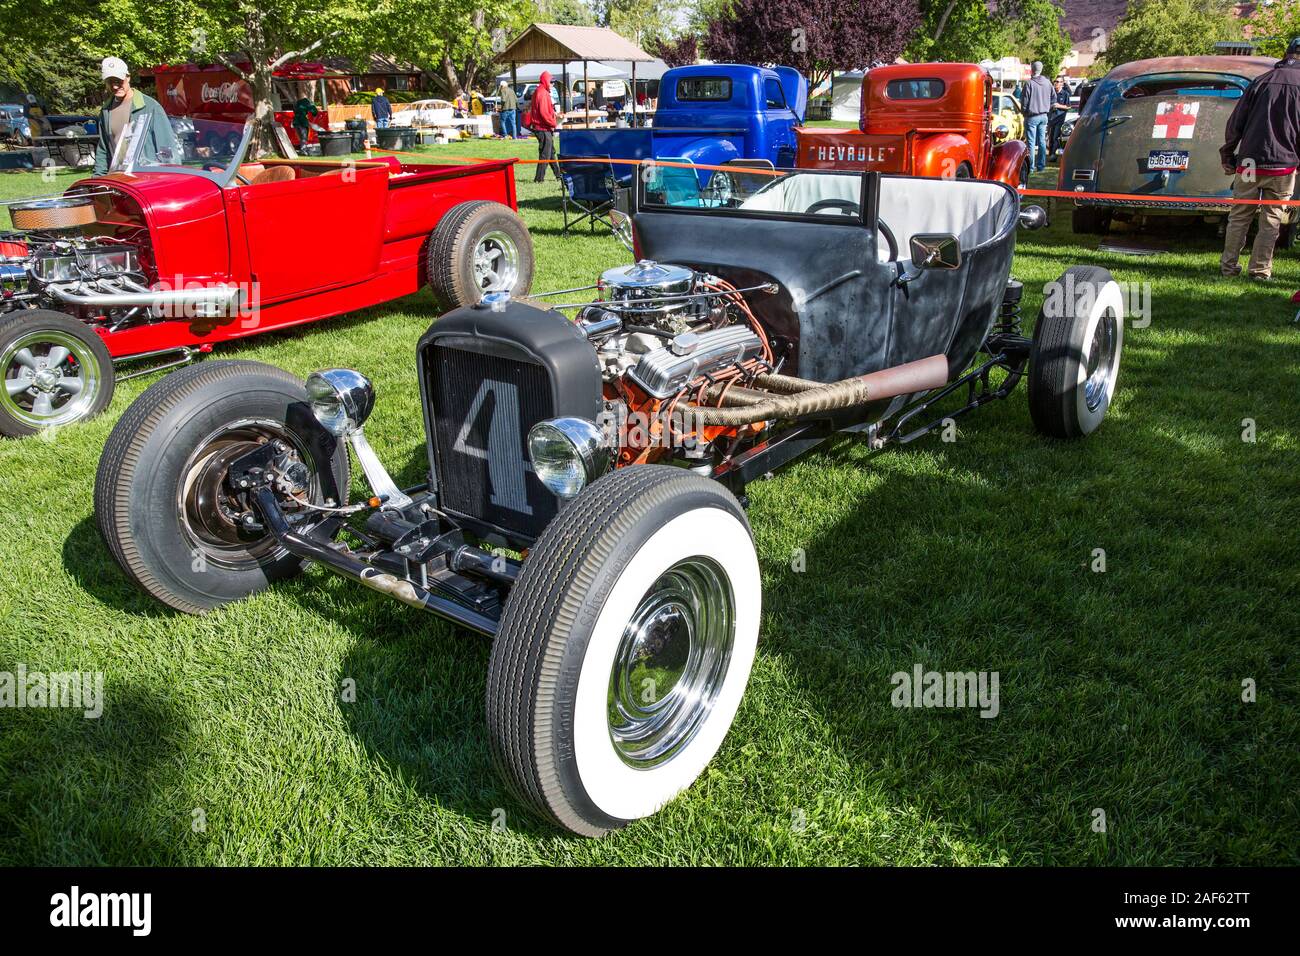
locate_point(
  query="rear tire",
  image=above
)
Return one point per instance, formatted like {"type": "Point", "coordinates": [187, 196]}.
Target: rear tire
{"type": "Point", "coordinates": [579, 723]}
{"type": "Point", "coordinates": [158, 499]}
{"type": "Point", "coordinates": [56, 371]}
{"type": "Point", "coordinates": [1074, 362]}
{"type": "Point", "coordinates": [479, 247]}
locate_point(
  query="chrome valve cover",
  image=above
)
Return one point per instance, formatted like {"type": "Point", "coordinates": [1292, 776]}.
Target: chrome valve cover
{"type": "Point", "coordinates": [665, 371]}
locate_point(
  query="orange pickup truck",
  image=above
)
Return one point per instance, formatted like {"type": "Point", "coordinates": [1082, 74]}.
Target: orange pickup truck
{"type": "Point", "coordinates": [920, 119]}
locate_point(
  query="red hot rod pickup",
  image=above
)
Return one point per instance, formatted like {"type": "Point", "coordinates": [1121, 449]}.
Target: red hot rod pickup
{"type": "Point", "coordinates": [587, 461]}
{"type": "Point", "coordinates": [920, 119]}
{"type": "Point", "coordinates": [165, 258]}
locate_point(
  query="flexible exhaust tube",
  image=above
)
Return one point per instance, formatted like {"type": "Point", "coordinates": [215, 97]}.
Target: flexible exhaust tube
{"type": "Point", "coordinates": [919, 376]}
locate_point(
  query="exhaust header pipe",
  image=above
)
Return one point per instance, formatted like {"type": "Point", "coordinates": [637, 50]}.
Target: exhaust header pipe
{"type": "Point", "coordinates": [207, 302]}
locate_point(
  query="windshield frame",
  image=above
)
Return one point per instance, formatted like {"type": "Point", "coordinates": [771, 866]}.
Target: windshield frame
{"type": "Point", "coordinates": [126, 157]}
{"type": "Point", "coordinates": [865, 217]}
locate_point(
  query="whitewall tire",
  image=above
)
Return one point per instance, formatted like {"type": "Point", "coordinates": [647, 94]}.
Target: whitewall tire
{"type": "Point", "coordinates": [1074, 363]}
{"type": "Point", "coordinates": [625, 648]}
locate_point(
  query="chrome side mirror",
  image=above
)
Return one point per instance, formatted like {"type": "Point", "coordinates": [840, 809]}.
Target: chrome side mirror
{"type": "Point", "coordinates": [621, 225]}
{"type": "Point", "coordinates": [936, 251]}
{"type": "Point", "coordinates": [933, 251]}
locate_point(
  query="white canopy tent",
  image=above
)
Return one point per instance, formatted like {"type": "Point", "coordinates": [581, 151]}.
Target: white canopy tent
{"type": "Point", "coordinates": [846, 96]}
{"type": "Point", "coordinates": [532, 72]}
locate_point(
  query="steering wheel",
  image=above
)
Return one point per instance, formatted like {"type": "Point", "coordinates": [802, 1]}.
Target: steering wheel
{"type": "Point", "coordinates": [889, 239]}
{"type": "Point", "coordinates": [847, 206]}
{"type": "Point", "coordinates": [243, 180]}
{"type": "Point", "coordinates": [850, 208]}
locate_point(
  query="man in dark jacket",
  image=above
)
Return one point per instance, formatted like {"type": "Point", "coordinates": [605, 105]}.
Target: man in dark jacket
{"type": "Point", "coordinates": [303, 113]}
{"type": "Point", "coordinates": [1036, 100]}
{"type": "Point", "coordinates": [381, 109]}
{"type": "Point", "coordinates": [1260, 151]}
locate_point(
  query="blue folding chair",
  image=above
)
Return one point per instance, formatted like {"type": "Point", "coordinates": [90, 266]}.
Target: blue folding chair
{"type": "Point", "coordinates": [587, 191]}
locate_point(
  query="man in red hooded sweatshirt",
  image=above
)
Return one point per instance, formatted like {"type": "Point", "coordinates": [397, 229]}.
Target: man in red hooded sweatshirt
{"type": "Point", "coordinates": [541, 120]}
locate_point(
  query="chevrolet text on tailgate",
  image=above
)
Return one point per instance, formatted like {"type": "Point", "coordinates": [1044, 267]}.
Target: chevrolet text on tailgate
{"type": "Point", "coordinates": [920, 119]}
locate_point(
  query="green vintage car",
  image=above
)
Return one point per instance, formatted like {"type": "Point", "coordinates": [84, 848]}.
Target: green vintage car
{"type": "Point", "coordinates": [1153, 128]}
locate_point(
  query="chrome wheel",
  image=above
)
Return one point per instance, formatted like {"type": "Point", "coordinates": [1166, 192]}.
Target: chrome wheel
{"type": "Point", "coordinates": [496, 263]}
{"type": "Point", "coordinates": [1100, 368]}
{"type": "Point", "coordinates": [218, 522]}
{"type": "Point", "coordinates": [670, 663]}
{"type": "Point", "coordinates": [51, 378]}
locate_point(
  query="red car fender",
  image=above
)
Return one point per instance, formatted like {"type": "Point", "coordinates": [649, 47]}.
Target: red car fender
{"type": "Point", "coordinates": [942, 154]}
{"type": "Point", "coordinates": [1006, 162]}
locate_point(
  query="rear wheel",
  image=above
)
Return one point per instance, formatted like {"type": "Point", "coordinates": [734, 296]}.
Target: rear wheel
{"type": "Point", "coordinates": [1074, 362]}
{"type": "Point", "coordinates": [161, 498]}
{"type": "Point", "coordinates": [479, 247]}
{"type": "Point", "coordinates": [624, 648]}
{"type": "Point", "coordinates": [56, 371]}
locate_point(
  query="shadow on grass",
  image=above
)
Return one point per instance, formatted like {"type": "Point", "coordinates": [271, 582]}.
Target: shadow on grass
{"type": "Point", "coordinates": [419, 704]}
{"type": "Point", "coordinates": [95, 792]}
{"type": "Point", "coordinates": [87, 560]}
{"type": "Point", "coordinates": [1119, 690]}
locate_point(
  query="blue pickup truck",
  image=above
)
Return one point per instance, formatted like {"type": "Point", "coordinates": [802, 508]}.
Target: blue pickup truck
{"type": "Point", "coordinates": [707, 115]}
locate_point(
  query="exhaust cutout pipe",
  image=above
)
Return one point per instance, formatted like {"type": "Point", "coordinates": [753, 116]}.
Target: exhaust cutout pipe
{"type": "Point", "coordinates": [919, 376]}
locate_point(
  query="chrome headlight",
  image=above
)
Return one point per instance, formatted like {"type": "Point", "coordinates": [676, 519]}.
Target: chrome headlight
{"type": "Point", "coordinates": [341, 399]}
{"type": "Point", "coordinates": [567, 454]}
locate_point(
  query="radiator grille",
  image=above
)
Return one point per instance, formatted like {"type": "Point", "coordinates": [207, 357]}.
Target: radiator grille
{"type": "Point", "coordinates": [483, 407]}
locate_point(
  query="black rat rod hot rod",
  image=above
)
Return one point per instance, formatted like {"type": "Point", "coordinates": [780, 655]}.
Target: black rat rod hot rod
{"type": "Point", "coordinates": [587, 462]}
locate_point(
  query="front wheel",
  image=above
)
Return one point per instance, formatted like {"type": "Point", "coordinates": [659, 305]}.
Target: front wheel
{"type": "Point", "coordinates": [164, 506]}
{"type": "Point", "coordinates": [56, 371]}
{"type": "Point", "coordinates": [624, 648]}
{"type": "Point", "coordinates": [1074, 362]}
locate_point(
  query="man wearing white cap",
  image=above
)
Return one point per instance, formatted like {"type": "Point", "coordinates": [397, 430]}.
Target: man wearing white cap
{"type": "Point", "coordinates": [124, 105]}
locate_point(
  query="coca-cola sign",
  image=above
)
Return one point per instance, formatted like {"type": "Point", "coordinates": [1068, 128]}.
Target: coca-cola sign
{"type": "Point", "coordinates": [224, 93]}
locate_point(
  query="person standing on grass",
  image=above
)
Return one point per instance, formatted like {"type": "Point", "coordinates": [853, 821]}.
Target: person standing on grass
{"type": "Point", "coordinates": [1060, 106]}
{"type": "Point", "coordinates": [381, 109]}
{"type": "Point", "coordinates": [509, 111]}
{"type": "Point", "coordinates": [1260, 151]}
{"type": "Point", "coordinates": [1037, 103]}
{"type": "Point", "coordinates": [303, 111]}
{"type": "Point", "coordinates": [541, 120]}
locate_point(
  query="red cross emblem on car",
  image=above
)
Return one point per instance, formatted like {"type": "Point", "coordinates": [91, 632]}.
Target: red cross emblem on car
{"type": "Point", "coordinates": [1175, 120]}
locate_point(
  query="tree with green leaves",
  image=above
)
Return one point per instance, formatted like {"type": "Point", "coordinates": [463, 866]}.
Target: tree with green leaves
{"type": "Point", "coordinates": [1272, 27]}
{"type": "Point", "coordinates": [574, 13]}
{"type": "Point", "coordinates": [1153, 28]}
{"type": "Point", "coordinates": [968, 31]}
{"type": "Point", "coordinates": [52, 48]}
{"type": "Point", "coordinates": [460, 37]}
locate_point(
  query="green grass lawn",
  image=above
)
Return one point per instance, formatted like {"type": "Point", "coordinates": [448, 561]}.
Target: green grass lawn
{"type": "Point", "coordinates": [224, 738]}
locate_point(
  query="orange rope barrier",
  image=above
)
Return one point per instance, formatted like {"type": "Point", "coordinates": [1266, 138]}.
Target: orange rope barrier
{"type": "Point", "coordinates": [747, 170]}
{"type": "Point", "coordinates": [1185, 200]}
